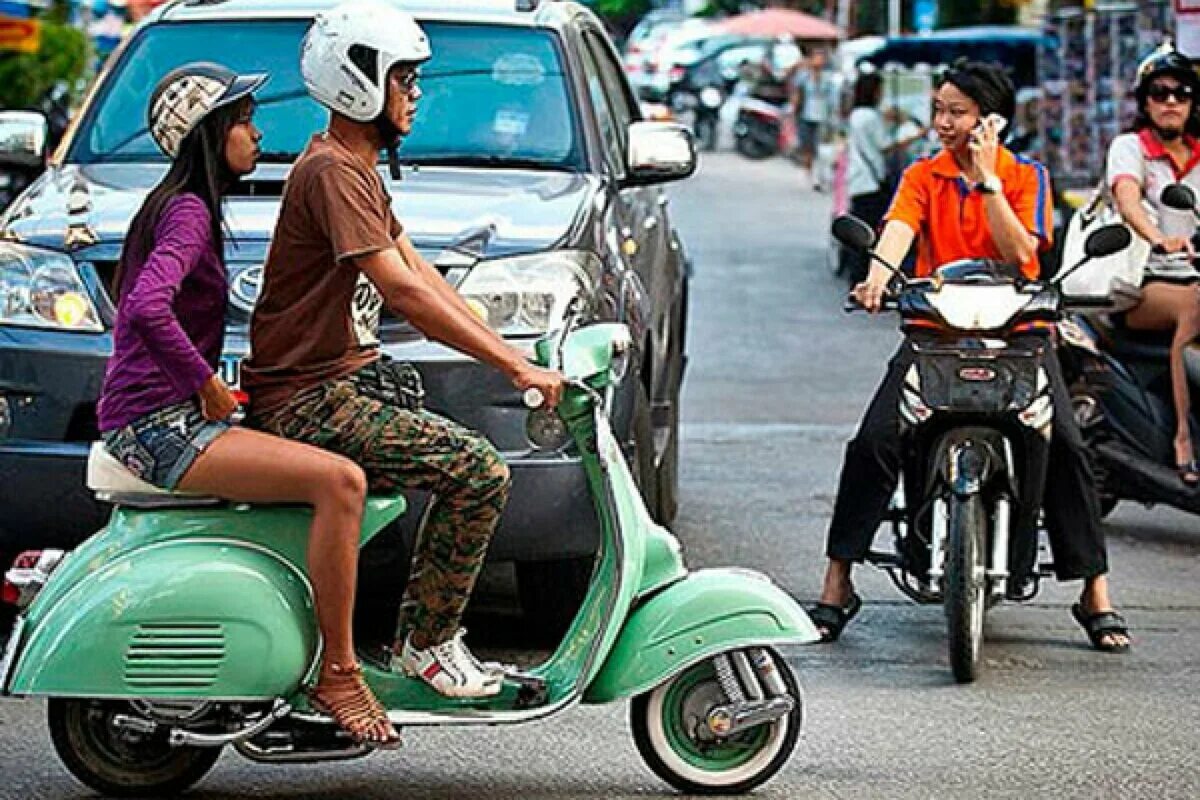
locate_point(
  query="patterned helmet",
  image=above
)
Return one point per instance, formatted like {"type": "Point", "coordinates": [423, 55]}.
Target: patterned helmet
{"type": "Point", "coordinates": [190, 93]}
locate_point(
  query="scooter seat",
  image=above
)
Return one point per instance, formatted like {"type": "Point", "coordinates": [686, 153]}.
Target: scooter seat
{"type": "Point", "coordinates": [113, 483]}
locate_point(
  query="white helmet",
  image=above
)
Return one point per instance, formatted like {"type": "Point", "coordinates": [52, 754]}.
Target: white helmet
{"type": "Point", "coordinates": [349, 51]}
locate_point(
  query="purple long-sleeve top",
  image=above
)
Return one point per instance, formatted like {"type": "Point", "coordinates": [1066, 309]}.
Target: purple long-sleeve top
{"type": "Point", "coordinates": [171, 320]}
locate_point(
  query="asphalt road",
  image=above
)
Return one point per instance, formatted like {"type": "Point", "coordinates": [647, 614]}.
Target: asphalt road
{"type": "Point", "coordinates": [778, 378]}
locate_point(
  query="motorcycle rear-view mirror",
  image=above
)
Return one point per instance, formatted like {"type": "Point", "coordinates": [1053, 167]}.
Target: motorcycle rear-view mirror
{"type": "Point", "coordinates": [1107, 240]}
{"type": "Point", "coordinates": [853, 232]}
{"type": "Point", "coordinates": [1179, 197]}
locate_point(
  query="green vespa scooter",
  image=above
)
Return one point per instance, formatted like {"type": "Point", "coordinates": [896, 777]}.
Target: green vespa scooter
{"type": "Point", "coordinates": [187, 625]}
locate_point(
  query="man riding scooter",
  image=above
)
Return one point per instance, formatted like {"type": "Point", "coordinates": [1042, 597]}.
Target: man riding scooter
{"type": "Point", "coordinates": [315, 374]}
{"type": "Point", "coordinates": [975, 199]}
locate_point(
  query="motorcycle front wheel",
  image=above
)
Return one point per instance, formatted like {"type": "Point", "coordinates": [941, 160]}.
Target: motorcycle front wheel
{"type": "Point", "coordinates": [965, 593]}
{"type": "Point", "coordinates": [670, 731]}
{"type": "Point", "coordinates": [122, 763]}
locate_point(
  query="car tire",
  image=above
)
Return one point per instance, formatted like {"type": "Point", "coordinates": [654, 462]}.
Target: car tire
{"type": "Point", "coordinates": [551, 593]}
{"type": "Point", "coordinates": [645, 472]}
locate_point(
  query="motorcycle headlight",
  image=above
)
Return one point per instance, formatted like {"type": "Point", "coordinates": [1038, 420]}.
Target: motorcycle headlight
{"type": "Point", "coordinates": [42, 289]}
{"type": "Point", "coordinates": [529, 295]}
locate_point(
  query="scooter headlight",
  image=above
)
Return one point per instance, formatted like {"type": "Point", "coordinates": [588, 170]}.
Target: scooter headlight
{"type": "Point", "coordinates": [545, 430]}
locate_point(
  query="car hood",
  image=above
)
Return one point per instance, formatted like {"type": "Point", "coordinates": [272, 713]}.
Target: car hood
{"type": "Point", "coordinates": [498, 211]}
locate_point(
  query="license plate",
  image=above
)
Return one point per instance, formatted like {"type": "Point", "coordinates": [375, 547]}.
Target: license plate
{"type": "Point", "coordinates": [230, 370]}
{"type": "Point", "coordinates": [10, 653]}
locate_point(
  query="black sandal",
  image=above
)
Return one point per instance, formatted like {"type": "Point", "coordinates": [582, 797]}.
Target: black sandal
{"type": "Point", "coordinates": [1102, 624]}
{"type": "Point", "coordinates": [1189, 472]}
{"type": "Point", "coordinates": [834, 618]}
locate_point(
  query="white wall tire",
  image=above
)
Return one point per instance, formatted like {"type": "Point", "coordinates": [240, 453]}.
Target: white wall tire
{"type": "Point", "coordinates": [662, 717]}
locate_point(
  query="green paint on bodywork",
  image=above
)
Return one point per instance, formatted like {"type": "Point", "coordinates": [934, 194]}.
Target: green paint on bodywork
{"type": "Point", "coordinates": [708, 612]}
{"type": "Point", "coordinates": [199, 602]}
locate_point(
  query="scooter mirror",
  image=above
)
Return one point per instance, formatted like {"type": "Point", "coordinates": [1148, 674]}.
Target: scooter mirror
{"type": "Point", "coordinates": [1107, 240]}
{"type": "Point", "coordinates": [1179, 197]}
{"type": "Point", "coordinates": [853, 232]}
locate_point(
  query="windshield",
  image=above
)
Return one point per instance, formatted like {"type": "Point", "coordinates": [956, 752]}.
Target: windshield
{"type": "Point", "coordinates": [978, 270]}
{"type": "Point", "coordinates": [491, 94]}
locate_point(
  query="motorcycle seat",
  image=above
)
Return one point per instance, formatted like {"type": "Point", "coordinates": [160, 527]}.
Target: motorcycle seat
{"type": "Point", "coordinates": [1128, 344]}
{"type": "Point", "coordinates": [112, 483]}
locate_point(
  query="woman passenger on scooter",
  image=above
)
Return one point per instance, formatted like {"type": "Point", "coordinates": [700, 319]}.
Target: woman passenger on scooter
{"type": "Point", "coordinates": [1164, 149]}
{"type": "Point", "coordinates": [974, 199]}
{"type": "Point", "coordinates": [163, 410]}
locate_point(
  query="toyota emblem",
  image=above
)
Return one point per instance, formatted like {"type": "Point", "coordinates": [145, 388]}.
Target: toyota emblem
{"type": "Point", "coordinates": [246, 286]}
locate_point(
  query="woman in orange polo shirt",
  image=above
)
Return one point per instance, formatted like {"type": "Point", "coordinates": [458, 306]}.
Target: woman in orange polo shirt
{"type": "Point", "coordinates": [974, 199]}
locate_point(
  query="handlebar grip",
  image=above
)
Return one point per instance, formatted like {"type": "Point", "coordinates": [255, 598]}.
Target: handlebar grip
{"type": "Point", "coordinates": [1093, 301]}
{"type": "Point", "coordinates": [533, 398]}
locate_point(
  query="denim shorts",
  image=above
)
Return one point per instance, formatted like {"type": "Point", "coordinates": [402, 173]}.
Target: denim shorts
{"type": "Point", "coordinates": [161, 446]}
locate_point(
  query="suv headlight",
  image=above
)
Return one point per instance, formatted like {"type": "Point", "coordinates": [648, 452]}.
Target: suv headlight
{"type": "Point", "coordinates": [529, 295]}
{"type": "Point", "coordinates": [42, 289]}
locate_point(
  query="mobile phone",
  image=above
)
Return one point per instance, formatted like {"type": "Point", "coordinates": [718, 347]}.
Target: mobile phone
{"type": "Point", "coordinates": [998, 122]}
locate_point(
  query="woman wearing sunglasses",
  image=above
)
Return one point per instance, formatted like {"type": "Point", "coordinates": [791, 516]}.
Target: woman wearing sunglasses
{"type": "Point", "coordinates": [1164, 149]}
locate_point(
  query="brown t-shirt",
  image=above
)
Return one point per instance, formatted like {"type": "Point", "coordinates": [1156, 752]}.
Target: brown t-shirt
{"type": "Point", "coordinates": [317, 316]}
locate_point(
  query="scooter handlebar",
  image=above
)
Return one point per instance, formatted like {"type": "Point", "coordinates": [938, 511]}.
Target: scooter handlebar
{"type": "Point", "coordinates": [533, 398]}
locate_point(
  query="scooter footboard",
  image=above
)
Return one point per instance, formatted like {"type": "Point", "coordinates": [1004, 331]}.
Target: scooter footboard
{"type": "Point", "coordinates": [194, 619]}
{"type": "Point", "coordinates": [706, 613]}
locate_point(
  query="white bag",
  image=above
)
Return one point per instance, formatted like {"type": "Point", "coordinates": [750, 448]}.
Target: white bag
{"type": "Point", "coordinates": [1119, 276]}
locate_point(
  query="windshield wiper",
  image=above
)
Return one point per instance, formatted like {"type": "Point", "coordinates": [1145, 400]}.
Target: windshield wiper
{"type": "Point", "coordinates": [277, 157]}
{"type": "Point", "coordinates": [485, 160]}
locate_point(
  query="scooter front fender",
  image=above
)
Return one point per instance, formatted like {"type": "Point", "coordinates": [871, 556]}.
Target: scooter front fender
{"type": "Point", "coordinates": [708, 612]}
{"type": "Point", "coordinates": [210, 619]}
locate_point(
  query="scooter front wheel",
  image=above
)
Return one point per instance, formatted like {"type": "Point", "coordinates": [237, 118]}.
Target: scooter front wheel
{"type": "Point", "coordinates": [121, 763]}
{"type": "Point", "coordinates": [670, 731]}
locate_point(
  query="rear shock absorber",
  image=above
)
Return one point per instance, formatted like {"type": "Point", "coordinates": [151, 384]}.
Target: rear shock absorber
{"type": "Point", "coordinates": [727, 677]}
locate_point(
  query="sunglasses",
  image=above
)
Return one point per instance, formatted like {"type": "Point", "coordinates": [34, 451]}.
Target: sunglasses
{"type": "Point", "coordinates": [408, 80]}
{"type": "Point", "coordinates": [1160, 93]}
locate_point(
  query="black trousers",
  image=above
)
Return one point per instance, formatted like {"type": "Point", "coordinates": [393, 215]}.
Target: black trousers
{"type": "Point", "coordinates": [872, 466]}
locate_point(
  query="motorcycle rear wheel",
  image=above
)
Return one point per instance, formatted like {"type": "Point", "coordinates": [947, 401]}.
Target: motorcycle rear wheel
{"type": "Point", "coordinates": [666, 721]}
{"type": "Point", "coordinates": [965, 593]}
{"type": "Point", "coordinates": [118, 763]}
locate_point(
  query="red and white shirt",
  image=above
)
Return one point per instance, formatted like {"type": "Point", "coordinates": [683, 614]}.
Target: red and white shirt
{"type": "Point", "coordinates": [1141, 157]}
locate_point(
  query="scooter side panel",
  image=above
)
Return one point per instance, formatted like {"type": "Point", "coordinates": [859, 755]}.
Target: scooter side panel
{"type": "Point", "coordinates": [708, 612]}
{"type": "Point", "coordinates": [280, 529]}
{"type": "Point", "coordinates": [177, 619]}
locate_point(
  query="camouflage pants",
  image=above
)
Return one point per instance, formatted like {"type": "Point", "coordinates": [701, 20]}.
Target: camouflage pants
{"type": "Point", "coordinates": [412, 449]}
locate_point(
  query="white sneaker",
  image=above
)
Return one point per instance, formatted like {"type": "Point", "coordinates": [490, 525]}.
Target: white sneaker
{"type": "Point", "coordinates": [449, 668]}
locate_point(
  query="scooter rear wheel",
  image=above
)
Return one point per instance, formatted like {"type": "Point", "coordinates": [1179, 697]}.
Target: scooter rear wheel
{"type": "Point", "coordinates": [119, 763]}
{"type": "Point", "coordinates": [666, 723]}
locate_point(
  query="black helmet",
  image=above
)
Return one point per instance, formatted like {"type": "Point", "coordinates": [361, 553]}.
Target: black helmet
{"type": "Point", "coordinates": [1166, 60]}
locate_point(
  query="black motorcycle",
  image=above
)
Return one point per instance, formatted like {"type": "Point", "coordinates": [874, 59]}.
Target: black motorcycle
{"type": "Point", "coordinates": [976, 417]}
{"type": "Point", "coordinates": [1121, 390]}
{"type": "Point", "coordinates": [700, 110]}
{"type": "Point", "coordinates": [757, 128]}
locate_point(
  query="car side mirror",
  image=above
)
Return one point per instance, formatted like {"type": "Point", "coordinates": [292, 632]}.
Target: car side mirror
{"type": "Point", "coordinates": [853, 233]}
{"type": "Point", "coordinates": [1179, 197]}
{"type": "Point", "coordinates": [659, 152]}
{"type": "Point", "coordinates": [23, 138]}
{"type": "Point", "coordinates": [1107, 240]}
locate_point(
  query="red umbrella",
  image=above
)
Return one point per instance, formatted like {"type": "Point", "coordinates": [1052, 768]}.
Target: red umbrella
{"type": "Point", "coordinates": [781, 22]}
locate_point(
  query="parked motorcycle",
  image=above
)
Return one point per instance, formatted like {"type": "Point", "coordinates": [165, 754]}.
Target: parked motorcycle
{"type": "Point", "coordinates": [187, 625]}
{"type": "Point", "coordinates": [757, 128]}
{"type": "Point", "coordinates": [976, 417]}
{"type": "Point", "coordinates": [701, 112]}
{"type": "Point", "coordinates": [1121, 389]}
